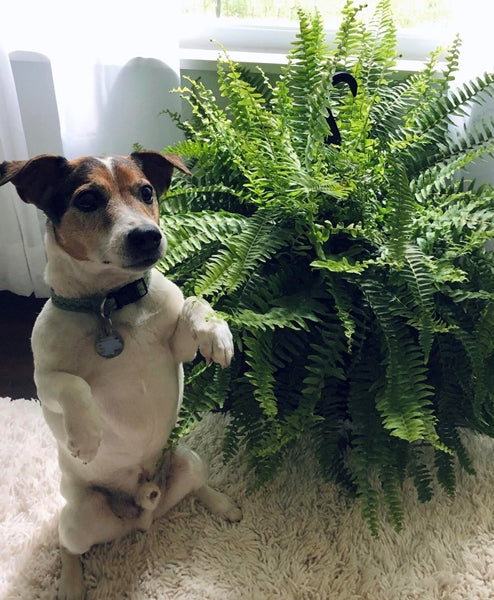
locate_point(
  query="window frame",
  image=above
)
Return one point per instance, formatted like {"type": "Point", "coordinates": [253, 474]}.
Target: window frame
{"type": "Point", "coordinates": [253, 43]}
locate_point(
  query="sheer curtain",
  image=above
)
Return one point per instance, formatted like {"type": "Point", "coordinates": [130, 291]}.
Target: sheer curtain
{"type": "Point", "coordinates": [76, 79]}
{"type": "Point", "coordinates": [22, 258]}
{"type": "Point", "coordinates": [474, 25]}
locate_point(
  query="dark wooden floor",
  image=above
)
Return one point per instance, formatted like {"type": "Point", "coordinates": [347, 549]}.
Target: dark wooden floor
{"type": "Point", "coordinates": [17, 316]}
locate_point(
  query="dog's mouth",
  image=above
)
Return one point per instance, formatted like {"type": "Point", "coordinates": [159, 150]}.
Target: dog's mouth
{"type": "Point", "coordinates": [142, 264]}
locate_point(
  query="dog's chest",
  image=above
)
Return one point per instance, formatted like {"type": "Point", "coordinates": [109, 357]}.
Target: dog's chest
{"type": "Point", "coordinates": [137, 393]}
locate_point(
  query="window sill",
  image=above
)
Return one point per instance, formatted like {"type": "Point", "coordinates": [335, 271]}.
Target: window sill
{"type": "Point", "coordinates": [195, 59]}
{"type": "Point", "coordinates": [267, 45]}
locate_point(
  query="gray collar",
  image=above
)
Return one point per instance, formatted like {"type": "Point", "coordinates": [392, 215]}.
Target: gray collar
{"type": "Point", "coordinates": [105, 304]}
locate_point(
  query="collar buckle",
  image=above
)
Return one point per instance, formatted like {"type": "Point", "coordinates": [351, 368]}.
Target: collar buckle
{"type": "Point", "coordinates": [128, 294]}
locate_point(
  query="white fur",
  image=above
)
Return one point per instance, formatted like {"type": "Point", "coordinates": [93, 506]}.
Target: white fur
{"type": "Point", "coordinates": [112, 417]}
{"type": "Point", "coordinates": [108, 162]}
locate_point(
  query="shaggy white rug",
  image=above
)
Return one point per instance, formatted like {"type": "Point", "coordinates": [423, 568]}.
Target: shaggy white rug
{"type": "Point", "coordinates": [299, 538]}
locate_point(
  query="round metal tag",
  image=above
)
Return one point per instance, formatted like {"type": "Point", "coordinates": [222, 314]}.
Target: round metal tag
{"type": "Point", "coordinates": [109, 346]}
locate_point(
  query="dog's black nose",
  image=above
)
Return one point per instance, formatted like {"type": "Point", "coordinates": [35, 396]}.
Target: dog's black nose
{"type": "Point", "coordinates": [145, 238]}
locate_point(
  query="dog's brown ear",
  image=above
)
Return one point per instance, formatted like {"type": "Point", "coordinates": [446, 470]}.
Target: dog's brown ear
{"type": "Point", "coordinates": [35, 179]}
{"type": "Point", "coordinates": [9, 169]}
{"type": "Point", "coordinates": [158, 168]}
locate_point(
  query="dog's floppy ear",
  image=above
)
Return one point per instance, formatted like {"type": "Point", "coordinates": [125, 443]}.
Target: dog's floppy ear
{"type": "Point", "coordinates": [158, 168]}
{"type": "Point", "coordinates": [35, 179]}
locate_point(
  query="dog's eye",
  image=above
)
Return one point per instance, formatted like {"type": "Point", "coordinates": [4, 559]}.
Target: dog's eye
{"type": "Point", "coordinates": [87, 201]}
{"type": "Point", "coordinates": [147, 194]}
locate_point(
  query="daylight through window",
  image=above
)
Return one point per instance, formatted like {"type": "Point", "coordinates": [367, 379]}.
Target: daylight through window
{"type": "Point", "coordinates": [408, 14]}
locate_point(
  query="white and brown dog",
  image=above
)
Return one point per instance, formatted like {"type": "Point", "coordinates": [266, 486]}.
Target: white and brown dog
{"type": "Point", "coordinates": [108, 349]}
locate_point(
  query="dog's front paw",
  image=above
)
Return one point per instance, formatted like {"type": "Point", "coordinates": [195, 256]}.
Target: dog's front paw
{"type": "Point", "coordinates": [210, 332]}
{"type": "Point", "coordinates": [215, 341]}
{"type": "Point", "coordinates": [83, 435]}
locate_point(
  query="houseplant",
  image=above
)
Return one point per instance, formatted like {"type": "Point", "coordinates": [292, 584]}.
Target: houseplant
{"type": "Point", "coordinates": [355, 277]}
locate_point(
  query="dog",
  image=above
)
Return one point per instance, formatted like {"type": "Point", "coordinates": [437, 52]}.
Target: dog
{"type": "Point", "coordinates": [108, 349]}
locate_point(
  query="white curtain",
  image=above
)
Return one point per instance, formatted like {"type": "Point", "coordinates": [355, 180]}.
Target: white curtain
{"type": "Point", "coordinates": [22, 257]}
{"type": "Point", "coordinates": [473, 21]}
{"type": "Point", "coordinates": [78, 78]}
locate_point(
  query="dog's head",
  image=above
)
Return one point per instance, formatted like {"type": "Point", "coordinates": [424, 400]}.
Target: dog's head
{"type": "Point", "coordinates": [103, 210]}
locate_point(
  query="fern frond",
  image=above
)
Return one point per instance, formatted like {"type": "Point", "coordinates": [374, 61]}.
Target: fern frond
{"type": "Point", "coordinates": [483, 407]}
{"type": "Point", "coordinates": [445, 472]}
{"type": "Point", "coordinates": [246, 104]}
{"type": "Point", "coordinates": [433, 123]}
{"type": "Point", "coordinates": [261, 373]}
{"type": "Point", "coordinates": [187, 234]}
{"type": "Point", "coordinates": [241, 255]}
{"type": "Point", "coordinates": [439, 176]}
{"type": "Point", "coordinates": [373, 460]}
{"type": "Point", "coordinates": [392, 494]}
{"type": "Point", "coordinates": [206, 389]}
{"type": "Point", "coordinates": [348, 38]}
{"type": "Point", "coordinates": [307, 80]}
{"type": "Point", "coordinates": [322, 365]}
{"type": "Point", "coordinates": [461, 222]}
{"type": "Point", "coordinates": [405, 404]}
{"type": "Point", "coordinates": [378, 52]}
{"type": "Point", "coordinates": [401, 209]}
{"type": "Point", "coordinates": [279, 316]}
{"type": "Point", "coordinates": [417, 274]}
{"type": "Point", "coordinates": [422, 479]}
{"type": "Point", "coordinates": [403, 103]}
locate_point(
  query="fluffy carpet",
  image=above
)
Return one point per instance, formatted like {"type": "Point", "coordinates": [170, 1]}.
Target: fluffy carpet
{"type": "Point", "coordinates": [299, 538]}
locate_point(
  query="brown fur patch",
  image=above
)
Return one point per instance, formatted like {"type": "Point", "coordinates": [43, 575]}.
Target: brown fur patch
{"type": "Point", "coordinates": [129, 180]}
{"type": "Point", "coordinates": [80, 233]}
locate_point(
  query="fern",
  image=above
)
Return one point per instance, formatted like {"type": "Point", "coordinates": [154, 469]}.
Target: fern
{"type": "Point", "coordinates": [446, 475]}
{"type": "Point", "coordinates": [260, 374]}
{"type": "Point", "coordinates": [405, 402]}
{"type": "Point", "coordinates": [232, 266]}
{"type": "Point", "coordinates": [420, 282]}
{"type": "Point", "coordinates": [422, 479]}
{"type": "Point", "coordinates": [402, 209]}
{"type": "Point", "coordinates": [186, 234]}
{"type": "Point", "coordinates": [355, 278]}
{"type": "Point", "coordinates": [307, 81]}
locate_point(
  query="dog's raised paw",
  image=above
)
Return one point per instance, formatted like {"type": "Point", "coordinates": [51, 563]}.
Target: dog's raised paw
{"type": "Point", "coordinates": [84, 452]}
{"type": "Point", "coordinates": [83, 437]}
{"type": "Point", "coordinates": [216, 342]}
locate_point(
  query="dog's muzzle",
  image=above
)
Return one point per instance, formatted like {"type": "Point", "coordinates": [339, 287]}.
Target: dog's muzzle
{"type": "Point", "coordinates": [144, 245]}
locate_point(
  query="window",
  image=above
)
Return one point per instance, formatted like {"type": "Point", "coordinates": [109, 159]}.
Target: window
{"type": "Point", "coordinates": [260, 31]}
{"type": "Point", "coordinates": [408, 13]}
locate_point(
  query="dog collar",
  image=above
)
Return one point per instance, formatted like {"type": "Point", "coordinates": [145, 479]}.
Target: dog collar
{"type": "Point", "coordinates": [109, 343]}
{"type": "Point", "coordinates": [105, 304]}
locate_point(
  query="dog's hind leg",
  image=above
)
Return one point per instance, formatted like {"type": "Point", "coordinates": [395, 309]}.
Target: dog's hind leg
{"type": "Point", "coordinates": [187, 473]}
{"type": "Point", "coordinates": [71, 584]}
{"type": "Point", "coordinates": [88, 519]}
{"type": "Point", "coordinates": [218, 503]}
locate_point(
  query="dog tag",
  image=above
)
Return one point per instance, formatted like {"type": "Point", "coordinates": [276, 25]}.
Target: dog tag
{"type": "Point", "coordinates": [109, 345]}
